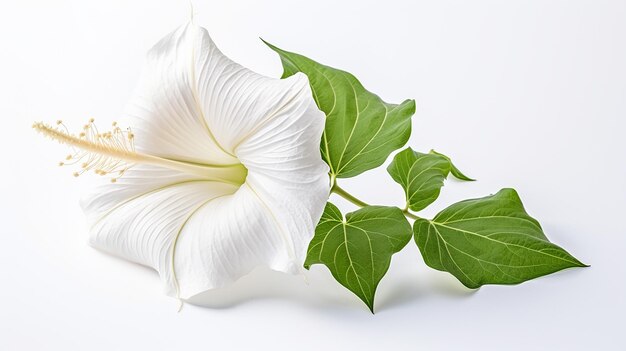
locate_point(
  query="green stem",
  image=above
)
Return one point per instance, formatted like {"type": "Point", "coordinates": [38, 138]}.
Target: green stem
{"type": "Point", "coordinates": [346, 195]}
{"type": "Point", "coordinates": [410, 215]}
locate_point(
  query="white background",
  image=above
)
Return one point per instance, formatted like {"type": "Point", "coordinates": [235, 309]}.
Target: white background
{"type": "Point", "coordinates": [524, 94]}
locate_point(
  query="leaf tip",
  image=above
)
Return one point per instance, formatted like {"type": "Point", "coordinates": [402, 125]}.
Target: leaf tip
{"type": "Point", "coordinates": [473, 286]}
{"type": "Point", "coordinates": [410, 103]}
{"type": "Point", "coordinates": [369, 304]}
{"type": "Point", "coordinates": [455, 171]}
{"type": "Point", "coordinates": [464, 178]}
{"type": "Point", "coordinates": [580, 264]}
{"type": "Point", "coordinates": [273, 47]}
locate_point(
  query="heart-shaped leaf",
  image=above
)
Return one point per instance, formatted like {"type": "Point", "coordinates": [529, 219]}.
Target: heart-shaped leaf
{"type": "Point", "coordinates": [361, 129]}
{"type": "Point", "coordinates": [491, 240]}
{"type": "Point", "coordinates": [421, 176]}
{"type": "Point", "coordinates": [357, 250]}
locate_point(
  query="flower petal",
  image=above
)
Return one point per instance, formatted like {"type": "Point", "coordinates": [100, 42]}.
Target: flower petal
{"type": "Point", "coordinates": [140, 227]}
{"type": "Point", "coordinates": [165, 111]}
{"type": "Point", "coordinates": [229, 237]}
{"type": "Point", "coordinates": [235, 100]}
{"type": "Point", "coordinates": [286, 171]}
{"type": "Point", "coordinates": [208, 233]}
{"type": "Point", "coordinates": [142, 224]}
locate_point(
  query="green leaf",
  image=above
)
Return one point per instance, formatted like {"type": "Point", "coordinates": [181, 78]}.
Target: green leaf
{"type": "Point", "coordinates": [421, 176]}
{"type": "Point", "coordinates": [361, 129]}
{"type": "Point", "coordinates": [453, 170]}
{"type": "Point", "coordinates": [491, 240]}
{"type": "Point", "coordinates": [357, 250]}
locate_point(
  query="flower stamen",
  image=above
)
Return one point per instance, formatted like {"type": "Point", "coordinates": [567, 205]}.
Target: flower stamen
{"type": "Point", "coordinates": [113, 153]}
{"type": "Point", "coordinates": [104, 153]}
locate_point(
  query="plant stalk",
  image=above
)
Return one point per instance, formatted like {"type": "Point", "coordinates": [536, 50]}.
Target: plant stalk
{"type": "Point", "coordinates": [354, 200]}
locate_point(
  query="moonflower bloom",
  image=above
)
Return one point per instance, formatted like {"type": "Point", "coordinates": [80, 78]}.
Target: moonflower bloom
{"type": "Point", "coordinates": [221, 172]}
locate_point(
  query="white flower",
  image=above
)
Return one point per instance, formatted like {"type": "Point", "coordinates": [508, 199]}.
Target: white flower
{"type": "Point", "coordinates": [222, 172]}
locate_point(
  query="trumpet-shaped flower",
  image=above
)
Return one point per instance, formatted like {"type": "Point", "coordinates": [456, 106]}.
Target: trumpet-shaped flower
{"type": "Point", "coordinates": [221, 173]}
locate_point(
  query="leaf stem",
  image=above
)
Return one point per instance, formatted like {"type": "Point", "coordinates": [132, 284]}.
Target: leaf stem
{"type": "Point", "coordinates": [346, 195]}
{"type": "Point", "coordinates": [354, 200]}
{"type": "Point", "coordinates": [410, 215]}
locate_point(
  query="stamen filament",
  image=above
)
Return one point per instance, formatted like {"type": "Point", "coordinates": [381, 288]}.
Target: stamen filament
{"type": "Point", "coordinates": [114, 153]}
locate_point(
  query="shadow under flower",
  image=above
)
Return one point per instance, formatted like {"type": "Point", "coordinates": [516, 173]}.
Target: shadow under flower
{"type": "Point", "coordinates": [311, 290]}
